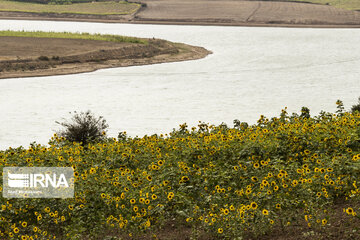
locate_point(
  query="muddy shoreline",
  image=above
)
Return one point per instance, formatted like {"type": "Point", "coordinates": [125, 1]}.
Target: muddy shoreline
{"type": "Point", "coordinates": [87, 56]}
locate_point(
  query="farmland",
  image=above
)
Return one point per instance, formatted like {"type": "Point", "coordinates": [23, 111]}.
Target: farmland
{"type": "Point", "coordinates": [288, 172]}
{"type": "Point", "coordinates": [95, 8]}
{"type": "Point", "coordinates": [345, 4]}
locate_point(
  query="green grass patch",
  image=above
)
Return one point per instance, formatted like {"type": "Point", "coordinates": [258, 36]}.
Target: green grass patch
{"type": "Point", "coordinates": [97, 8]}
{"type": "Point", "coordinates": [345, 4]}
{"type": "Point", "coordinates": [85, 36]}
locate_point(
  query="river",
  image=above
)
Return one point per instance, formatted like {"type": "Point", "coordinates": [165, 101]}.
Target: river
{"type": "Point", "coordinates": [252, 71]}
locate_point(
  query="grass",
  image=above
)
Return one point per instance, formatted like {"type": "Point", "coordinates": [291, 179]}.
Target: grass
{"type": "Point", "coordinates": [86, 36]}
{"type": "Point", "coordinates": [97, 8]}
{"type": "Point", "coordinates": [345, 4]}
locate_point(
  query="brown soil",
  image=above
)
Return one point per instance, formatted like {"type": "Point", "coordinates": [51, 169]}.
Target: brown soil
{"type": "Point", "coordinates": [216, 12]}
{"type": "Point", "coordinates": [340, 226]}
{"type": "Point", "coordinates": [27, 57]}
{"type": "Point", "coordinates": [246, 12]}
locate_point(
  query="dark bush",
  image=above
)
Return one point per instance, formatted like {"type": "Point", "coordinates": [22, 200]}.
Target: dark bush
{"type": "Point", "coordinates": [305, 112]}
{"type": "Point", "coordinates": [84, 127]}
{"type": "Point", "coordinates": [356, 107]}
{"type": "Point", "coordinates": [43, 58]}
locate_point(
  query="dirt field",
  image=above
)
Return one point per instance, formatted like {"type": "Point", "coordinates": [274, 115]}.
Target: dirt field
{"type": "Point", "coordinates": [27, 57]}
{"type": "Point", "coordinates": [96, 8]}
{"type": "Point", "coordinates": [246, 12]}
{"type": "Point", "coordinates": [345, 4]}
{"type": "Point", "coordinates": [218, 12]}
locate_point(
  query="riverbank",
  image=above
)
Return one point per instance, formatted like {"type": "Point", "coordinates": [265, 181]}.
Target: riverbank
{"type": "Point", "coordinates": [30, 56]}
{"type": "Point", "coordinates": [222, 13]}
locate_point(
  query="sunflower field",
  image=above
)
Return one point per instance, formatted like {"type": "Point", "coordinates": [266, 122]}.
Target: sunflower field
{"type": "Point", "coordinates": [230, 182]}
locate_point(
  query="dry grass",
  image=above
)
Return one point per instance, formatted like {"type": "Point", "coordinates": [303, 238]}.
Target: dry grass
{"type": "Point", "coordinates": [345, 4]}
{"type": "Point", "coordinates": [68, 35]}
{"type": "Point", "coordinates": [98, 8]}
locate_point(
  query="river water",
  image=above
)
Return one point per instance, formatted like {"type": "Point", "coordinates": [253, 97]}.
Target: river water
{"type": "Point", "coordinates": [252, 71]}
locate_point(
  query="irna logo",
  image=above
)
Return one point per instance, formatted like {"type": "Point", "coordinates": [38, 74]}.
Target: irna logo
{"type": "Point", "coordinates": [36, 180]}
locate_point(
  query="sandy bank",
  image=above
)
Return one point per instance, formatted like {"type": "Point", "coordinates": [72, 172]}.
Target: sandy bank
{"type": "Point", "coordinates": [30, 57]}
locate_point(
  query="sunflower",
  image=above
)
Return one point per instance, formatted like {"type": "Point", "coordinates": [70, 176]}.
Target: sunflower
{"type": "Point", "coordinates": [265, 212]}
{"type": "Point", "coordinates": [185, 178]}
{"type": "Point", "coordinates": [254, 205]}
{"type": "Point", "coordinates": [170, 195]}
{"type": "Point", "coordinates": [349, 211]}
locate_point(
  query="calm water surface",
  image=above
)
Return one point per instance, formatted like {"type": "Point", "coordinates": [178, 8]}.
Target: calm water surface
{"type": "Point", "coordinates": [253, 71]}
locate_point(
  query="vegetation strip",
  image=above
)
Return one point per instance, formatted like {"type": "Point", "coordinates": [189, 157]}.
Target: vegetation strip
{"type": "Point", "coordinates": [96, 8]}
{"type": "Point", "coordinates": [84, 36]}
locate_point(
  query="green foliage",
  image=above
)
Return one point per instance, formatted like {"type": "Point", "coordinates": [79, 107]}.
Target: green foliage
{"type": "Point", "coordinates": [85, 36]}
{"type": "Point", "coordinates": [305, 112]}
{"type": "Point", "coordinates": [43, 58]}
{"type": "Point", "coordinates": [84, 128]}
{"type": "Point", "coordinates": [60, 2]}
{"type": "Point", "coordinates": [230, 182]}
{"type": "Point", "coordinates": [356, 107]}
